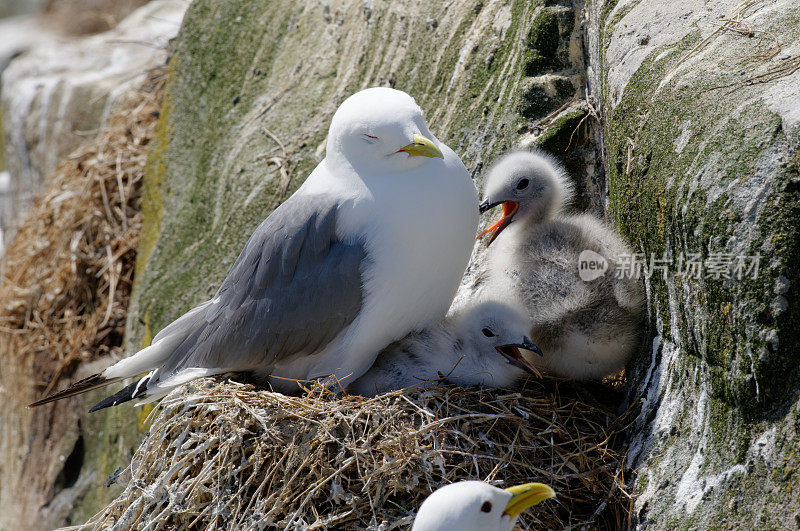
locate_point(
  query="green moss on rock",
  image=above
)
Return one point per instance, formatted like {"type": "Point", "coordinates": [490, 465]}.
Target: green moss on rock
{"type": "Point", "coordinates": [544, 35]}
{"type": "Point", "coordinates": [694, 169]}
{"type": "Point", "coordinates": [542, 95]}
{"type": "Point", "coordinates": [548, 39]}
{"type": "Point", "coordinates": [562, 133]}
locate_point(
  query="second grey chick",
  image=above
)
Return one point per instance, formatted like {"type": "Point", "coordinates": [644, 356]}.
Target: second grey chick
{"type": "Point", "coordinates": [476, 345]}
{"type": "Point", "coordinates": [586, 329]}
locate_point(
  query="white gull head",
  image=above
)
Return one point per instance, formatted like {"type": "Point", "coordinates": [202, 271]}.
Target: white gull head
{"type": "Point", "coordinates": [381, 130]}
{"type": "Point", "coordinates": [491, 334]}
{"type": "Point", "coordinates": [478, 506]}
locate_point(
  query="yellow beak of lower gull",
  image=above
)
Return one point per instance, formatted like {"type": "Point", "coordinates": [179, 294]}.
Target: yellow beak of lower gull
{"type": "Point", "coordinates": [422, 147]}
{"type": "Point", "coordinates": [527, 495]}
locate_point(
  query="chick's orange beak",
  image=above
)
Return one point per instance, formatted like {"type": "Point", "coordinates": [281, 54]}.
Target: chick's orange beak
{"type": "Point", "coordinates": [509, 209]}
{"type": "Point", "coordinates": [514, 356]}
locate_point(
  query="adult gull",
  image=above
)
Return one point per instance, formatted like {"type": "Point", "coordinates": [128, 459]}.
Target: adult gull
{"type": "Point", "coordinates": [371, 246]}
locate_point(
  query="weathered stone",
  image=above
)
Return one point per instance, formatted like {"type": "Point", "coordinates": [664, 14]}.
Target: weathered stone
{"type": "Point", "coordinates": [19, 34]}
{"type": "Point", "coordinates": [541, 94]}
{"type": "Point", "coordinates": [10, 8]}
{"type": "Point", "coordinates": [702, 128]}
{"type": "Point", "coordinates": [57, 95]}
{"type": "Point", "coordinates": [84, 17]}
{"type": "Point", "coordinates": [548, 40]}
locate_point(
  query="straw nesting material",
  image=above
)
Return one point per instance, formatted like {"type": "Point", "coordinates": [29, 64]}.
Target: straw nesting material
{"type": "Point", "coordinates": [224, 455]}
{"type": "Point", "coordinates": [67, 273]}
{"type": "Point", "coordinates": [65, 280]}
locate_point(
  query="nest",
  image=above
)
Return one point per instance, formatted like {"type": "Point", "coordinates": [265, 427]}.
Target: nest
{"type": "Point", "coordinates": [223, 455]}
{"type": "Point", "coordinates": [68, 270]}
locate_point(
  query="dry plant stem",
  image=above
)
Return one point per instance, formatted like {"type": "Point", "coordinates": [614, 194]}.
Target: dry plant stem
{"type": "Point", "coordinates": [742, 28]}
{"type": "Point", "coordinates": [791, 66]}
{"type": "Point", "coordinates": [591, 112]}
{"type": "Point", "coordinates": [732, 22]}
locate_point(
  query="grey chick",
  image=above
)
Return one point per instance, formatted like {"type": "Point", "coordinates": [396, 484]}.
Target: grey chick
{"type": "Point", "coordinates": [587, 328]}
{"type": "Point", "coordinates": [477, 345]}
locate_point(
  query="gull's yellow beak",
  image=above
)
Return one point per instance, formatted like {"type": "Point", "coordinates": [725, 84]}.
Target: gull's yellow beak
{"type": "Point", "coordinates": [422, 147]}
{"type": "Point", "coordinates": [525, 496]}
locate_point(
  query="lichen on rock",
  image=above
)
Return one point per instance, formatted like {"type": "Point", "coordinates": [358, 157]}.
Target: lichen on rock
{"type": "Point", "coordinates": [700, 123]}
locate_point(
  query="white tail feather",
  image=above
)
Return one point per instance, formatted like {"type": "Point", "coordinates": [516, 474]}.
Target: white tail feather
{"type": "Point", "coordinates": [145, 360]}
{"type": "Point", "coordinates": [164, 343]}
{"type": "Point", "coordinates": [161, 388]}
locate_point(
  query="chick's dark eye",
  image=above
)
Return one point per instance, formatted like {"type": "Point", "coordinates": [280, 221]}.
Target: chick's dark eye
{"type": "Point", "coordinates": [488, 333]}
{"type": "Point", "coordinates": [522, 184]}
{"type": "Point", "coordinates": [486, 507]}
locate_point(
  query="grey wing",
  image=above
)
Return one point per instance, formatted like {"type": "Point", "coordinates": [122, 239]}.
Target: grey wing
{"type": "Point", "coordinates": [293, 289]}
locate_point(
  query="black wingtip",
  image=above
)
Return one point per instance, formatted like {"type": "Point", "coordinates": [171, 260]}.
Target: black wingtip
{"type": "Point", "coordinates": [81, 386]}
{"type": "Point", "coordinates": [104, 403]}
{"type": "Point", "coordinates": [126, 394]}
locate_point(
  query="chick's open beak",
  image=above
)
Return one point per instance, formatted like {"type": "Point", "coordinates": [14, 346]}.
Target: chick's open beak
{"type": "Point", "coordinates": [527, 495]}
{"type": "Point", "coordinates": [509, 209]}
{"type": "Point", "coordinates": [422, 147]}
{"type": "Point", "coordinates": [514, 356]}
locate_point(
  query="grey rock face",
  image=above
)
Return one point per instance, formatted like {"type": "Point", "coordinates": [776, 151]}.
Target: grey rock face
{"type": "Point", "coordinates": [700, 108]}
{"type": "Point", "coordinates": [10, 8]}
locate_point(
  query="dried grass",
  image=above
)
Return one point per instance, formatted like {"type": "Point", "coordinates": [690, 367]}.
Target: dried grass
{"type": "Point", "coordinates": [222, 455]}
{"type": "Point", "coordinates": [67, 272]}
